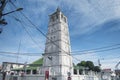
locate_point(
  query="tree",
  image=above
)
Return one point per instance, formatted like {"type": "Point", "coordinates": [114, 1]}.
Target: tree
{"type": "Point", "coordinates": [90, 65]}
{"type": "Point", "coordinates": [97, 69]}
{"type": "Point", "coordinates": [86, 64]}
{"type": "Point", "coordinates": [82, 63]}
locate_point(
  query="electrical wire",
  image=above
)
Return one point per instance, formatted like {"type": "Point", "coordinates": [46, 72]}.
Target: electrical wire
{"type": "Point", "coordinates": [15, 53]}
{"type": "Point", "coordinates": [18, 51]}
{"type": "Point", "coordinates": [109, 49]}
{"type": "Point", "coordinates": [39, 29]}
{"type": "Point", "coordinates": [57, 45]}
{"type": "Point", "coordinates": [113, 45]}
{"type": "Point", "coordinates": [8, 55]}
{"type": "Point", "coordinates": [52, 41]}
{"type": "Point", "coordinates": [27, 32]}
{"type": "Point", "coordinates": [99, 50]}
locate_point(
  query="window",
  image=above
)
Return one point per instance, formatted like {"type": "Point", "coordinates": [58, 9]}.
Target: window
{"type": "Point", "coordinates": [64, 19]}
{"type": "Point", "coordinates": [56, 16]}
{"type": "Point", "coordinates": [54, 37]}
{"type": "Point", "coordinates": [52, 18]}
{"type": "Point", "coordinates": [61, 15]}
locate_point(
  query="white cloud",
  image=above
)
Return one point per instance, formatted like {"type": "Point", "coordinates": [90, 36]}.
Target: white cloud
{"type": "Point", "coordinates": [93, 13]}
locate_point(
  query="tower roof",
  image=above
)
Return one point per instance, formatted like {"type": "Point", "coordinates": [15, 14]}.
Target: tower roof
{"type": "Point", "coordinates": [58, 10]}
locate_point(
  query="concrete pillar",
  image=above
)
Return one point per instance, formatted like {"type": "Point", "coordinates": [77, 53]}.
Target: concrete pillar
{"type": "Point", "coordinates": [77, 71]}
{"type": "Point", "coordinates": [31, 72]}
{"type": "Point", "coordinates": [83, 72]}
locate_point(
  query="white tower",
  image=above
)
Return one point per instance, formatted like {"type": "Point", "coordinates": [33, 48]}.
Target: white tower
{"type": "Point", "coordinates": [57, 59]}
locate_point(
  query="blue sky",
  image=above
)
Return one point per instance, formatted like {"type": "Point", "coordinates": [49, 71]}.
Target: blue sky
{"type": "Point", "coordinates": [92, 24]}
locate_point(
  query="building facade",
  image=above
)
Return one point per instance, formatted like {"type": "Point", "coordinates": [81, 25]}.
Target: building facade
{"type": "Point", "coordinates": [57, 59]}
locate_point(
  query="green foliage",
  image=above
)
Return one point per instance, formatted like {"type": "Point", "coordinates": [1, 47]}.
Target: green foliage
{"type": "Point", "coordinates": [88, 65]}
{"type": "Point", "coordinates": [97, 69]}
{"type": "Point", "coordinates": [82, 63]}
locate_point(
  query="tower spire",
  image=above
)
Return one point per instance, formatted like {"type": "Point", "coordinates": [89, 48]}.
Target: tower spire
{"type": "Point", "coordinates": [58, 9]}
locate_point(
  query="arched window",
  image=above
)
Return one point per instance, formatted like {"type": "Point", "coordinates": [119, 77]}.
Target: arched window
{"type": "Point", "coordinates": [52, 18]}
{"type": "Point", "coordinates": [64, 19]}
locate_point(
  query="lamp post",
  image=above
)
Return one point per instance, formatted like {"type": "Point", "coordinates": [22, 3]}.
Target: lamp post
{"type": "Point", "coordinates": [2, 21]}
{"type": "Point", "coordinates": [2, 6]}
{"type": "Point", "coordinates": [19, 9]}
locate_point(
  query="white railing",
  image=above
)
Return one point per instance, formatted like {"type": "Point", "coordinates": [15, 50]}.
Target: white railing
{"type": "Point", "coordinates": [41, 77]}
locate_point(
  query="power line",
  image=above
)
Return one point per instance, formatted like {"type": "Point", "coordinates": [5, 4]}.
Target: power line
{"type": "Point", "coordinates": [38, 28]}
{"type": "Point", "coordinates": [18, 50]}
{"type": "Point", "coordinates": [53, 42]}
{"type": "Point", "coordinates": [27, 31]}
{"type": "Point", "coordinates": [97, 48]}
{"type": "Point", "coordinates": [99, 51]}
{"type": "Point", "coordinates": [71, 52]}
{"type": "Point", "coordinates": [26, 54]}
{"type": "Point", "coordinates": [22, 24]}
{"type": "Point", "coordinates": [16, 53]}
{"type": "Point", "coordinates": [8, 55]}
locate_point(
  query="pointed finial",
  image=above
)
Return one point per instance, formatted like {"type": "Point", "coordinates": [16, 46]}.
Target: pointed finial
{"type": "Point", "coordinates": [58, 9]}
